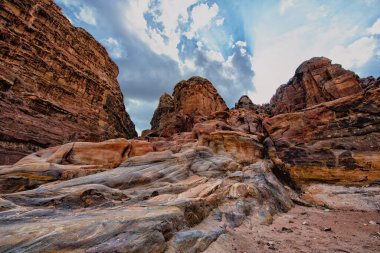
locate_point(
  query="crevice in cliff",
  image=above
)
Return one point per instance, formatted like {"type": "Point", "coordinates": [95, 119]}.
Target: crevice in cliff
{"type": "Point", "coordinates": [278, 169]}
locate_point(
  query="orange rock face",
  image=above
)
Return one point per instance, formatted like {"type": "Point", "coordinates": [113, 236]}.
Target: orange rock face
{"type": "Point", "coordinates": [192, 101]}
{"type": "Point", "coordinates": [68, 161]}
{"type": "Point", "coordinates": [336, 141]}
{"type": "Point", "coordinates": [57, 84]}
{"type": "Point", "coordinates": [315, 81]}
{"type": "Point", "coordinates": [197, 96]}
{"type": "Point", "coordinates": [245, 148]}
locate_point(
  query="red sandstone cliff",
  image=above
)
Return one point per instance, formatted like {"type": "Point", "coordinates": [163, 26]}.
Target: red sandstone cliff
{"type": "Point", "coordinates": [57, 83]}
{"type": "Point", "coordinates": [315, 81]}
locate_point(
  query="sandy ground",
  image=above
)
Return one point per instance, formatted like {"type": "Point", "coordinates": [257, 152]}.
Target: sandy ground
{"type": "Point", "coordinates": [306, 229]}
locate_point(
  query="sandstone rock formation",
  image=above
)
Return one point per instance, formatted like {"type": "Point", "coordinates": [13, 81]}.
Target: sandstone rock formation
{"type": "Point", "coordinates": [69, 161]}
{"type": "Point", "coordinates": [188, 192]}
{"type": "Point", "coordinates": [192, 101]}
{"type": "Point", "coordinates": [164, 108]}
{"type": "Point", "coordinates": [146, 195]}
{"type": "Point", "coordinates": [369, 83]}
{"type": "Point", "coordinates": [200, 176]}
{"type": "Point", "coordinates": [148, 203]}
{"type": "Point", "coordinates": [315, 81]}
{"type": "Point", "coordinates": [335, 141]}
{"type": "Point", "coordinates": [57, 84]}
{"type": "Point", "coordinates": [246, 103]}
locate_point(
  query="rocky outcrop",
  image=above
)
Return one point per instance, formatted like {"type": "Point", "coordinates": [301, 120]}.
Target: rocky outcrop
{"type": "Point", "coordinates": [246, 103]}
{"type": "Point", "coordinates": [69, 161]}
{"type": "Point", "coordinates": [370, 82]}
{"type": "Point", "coordinates": [336, 141]}
{"type": "Point", "coordinates": [164, 108]}
{"type": "Point", "coordinates": [198, 97]}
{"type": "Point", "coordinates": [148, 203]}
{"type": "Point", "coordinates": [192, 101]}
{"type": "Point", "coordinates": [315, 81]}
{"type": "Point", "coordinates": [203, 173]}
{"type": "Point", "coordinates": [57, 84]}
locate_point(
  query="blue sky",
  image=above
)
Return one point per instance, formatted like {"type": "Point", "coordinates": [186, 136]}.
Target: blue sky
{"type": "Point", "coordinates": [242, 46]}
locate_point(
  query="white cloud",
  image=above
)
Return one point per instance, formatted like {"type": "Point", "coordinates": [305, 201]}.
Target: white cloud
{"type": "Point", "coordinates": [285, 5]}
{"type": "Point", "coordinates": [375, 28]}
{"type": "Point", "coordinates": [321, 12]}
{"type": "Point", "coordinates": [68, 2]}
{"type": "Point", "coordinates": [202, 15]}
{"type": "Point", "coordinates": [172, 13]}
{"type": "Point", "coordinates": [113, 47]}
{"type": "Point", "coordinates": [219, 22]}
{"type": "Point", "coordinates": [241, 43]}
{"type": "Point", "coordinates": [87, 15]}
{"type": "Point", "coordinates": [214, 56]}
{"type": "Point", "coordinates": [356, 54]}
{"type": "Point", "coordinates": [277, 56]}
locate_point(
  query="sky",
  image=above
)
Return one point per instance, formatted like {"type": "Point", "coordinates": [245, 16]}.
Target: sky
{"type": "Point", "coordinates": [244, 47]}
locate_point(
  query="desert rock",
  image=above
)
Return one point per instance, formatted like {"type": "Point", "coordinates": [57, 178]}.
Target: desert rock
{"type": "Point", "coordinates": [192, 101]}
{"type": "Point", "coordinates": [57, 82]}
{"type": "Point", "coordinates": [335, 141]}
{"type": "Point", "coordinates": [315, 81]}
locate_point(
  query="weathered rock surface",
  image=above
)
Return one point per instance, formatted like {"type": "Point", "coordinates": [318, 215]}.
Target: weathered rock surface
{"type": "Point", "coordinates": [246, 103]}
{"type": "Point", "coordinates": [146, 204]}
{"type": "Point", "coordinates": [69, 161]}
{"type": "Point", "coordinates": [192, 101]}
{"type": "Point", "coordinates": [201, 174]}
{"type": "Point", "coordinates": [165, 107]}
{"type": "Point", "coordinates": [369, 83]}
{"type": "Point", "coordinates": [57, 84]}
{"type": "Point", "coordinates": [146, 195]}
{"type": "Point", "coordinates": [336, 141]}
{"type": "Point", "coordinates": [315, 81]}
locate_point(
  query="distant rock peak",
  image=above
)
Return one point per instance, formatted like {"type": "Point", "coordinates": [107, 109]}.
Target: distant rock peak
{"type": "Point", "coordinates": [315, 81]}
{"type": "Point", "coordinates": [191, 101]}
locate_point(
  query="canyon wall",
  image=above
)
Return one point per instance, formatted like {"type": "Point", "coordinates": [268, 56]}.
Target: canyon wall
{"type": "Point", "coordinates": [327, 124]}
{"type": "Point", "coordinates": [57, 83]}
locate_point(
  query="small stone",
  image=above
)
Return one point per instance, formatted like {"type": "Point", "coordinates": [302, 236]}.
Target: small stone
{"type": "Point", "coordinates": [327, 210]}
{"type": "Point", "coordinates": [290, 221]}
{"type": "Point", "coordinates": [305, 223]}
{"type": "Point", "coordinates": [372, 222]}
{"type": "Point", "coordinates": [271, 245]}
{"type": "Point", "coordinates": [285, 230]}
{"type": "Point", "coordinates": [327, 229]}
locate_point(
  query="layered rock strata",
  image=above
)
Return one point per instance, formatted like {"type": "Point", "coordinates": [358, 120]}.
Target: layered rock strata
{"type": "Point", "coordinates": [315, 81]}
{"type": "Point", "coordinates": [327, 125]}
{"type": "Point", "coordinates": [192, 101]}
{"type": "Point", "coordinates": [199, 175]}
{"type": "Point", "coordinates": [336, 141]}
{"type": "Point", "coordinates": [145, 195]}
{"type": "Point", "coordinates": [147, 203]}
{"type": "Point", "coordinates": [57, 83]}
